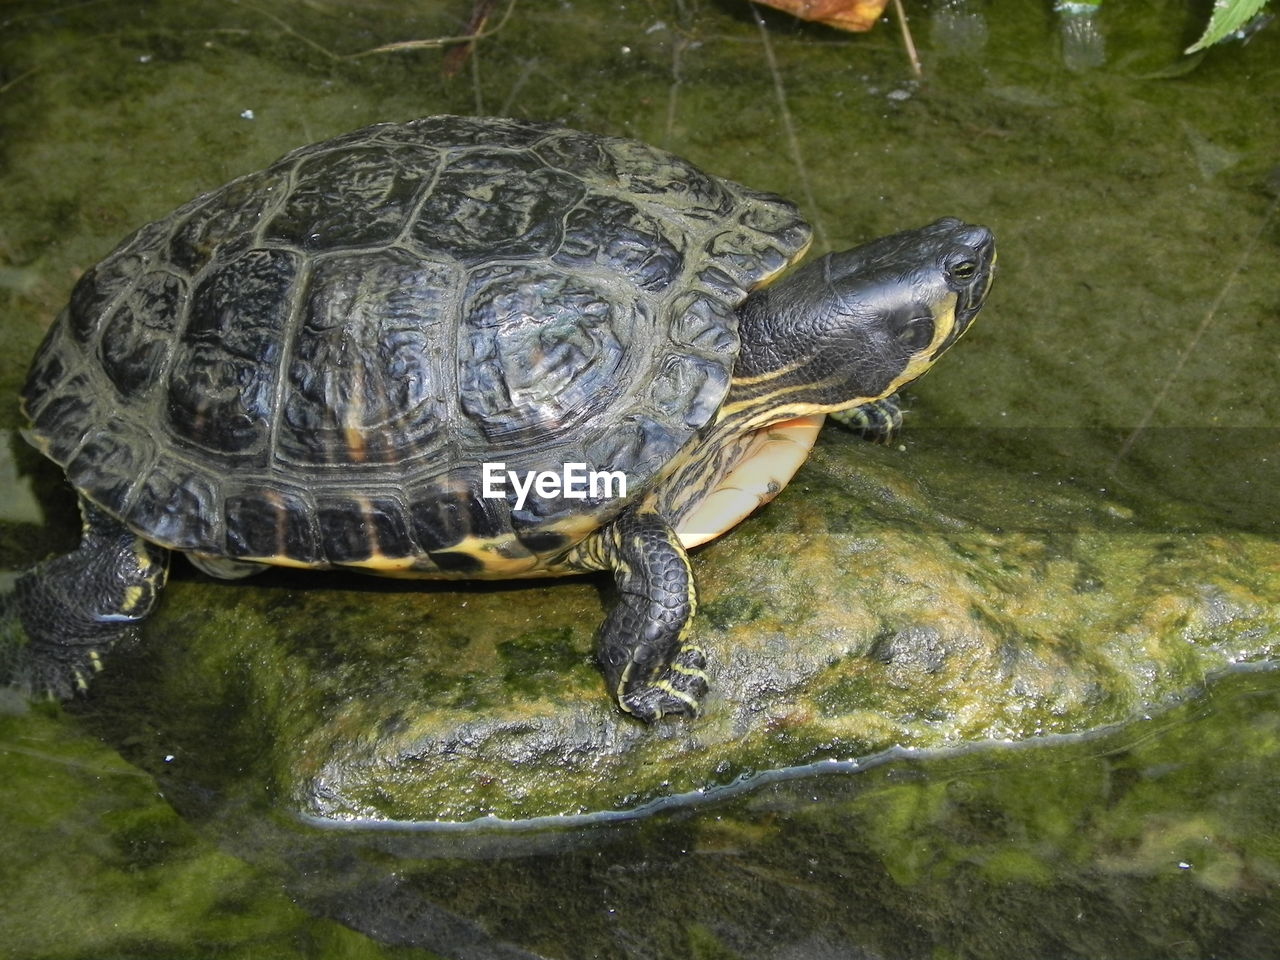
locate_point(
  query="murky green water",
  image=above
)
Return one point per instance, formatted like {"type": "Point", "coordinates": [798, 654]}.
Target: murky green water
{"type": "Point", "coordinates": [1158, 839]}
{"type": "Point", "coordinates": [1131, 345]}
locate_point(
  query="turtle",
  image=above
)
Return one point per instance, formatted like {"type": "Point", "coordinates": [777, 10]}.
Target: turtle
{"type": "Point", "coordinates": [464, 347]}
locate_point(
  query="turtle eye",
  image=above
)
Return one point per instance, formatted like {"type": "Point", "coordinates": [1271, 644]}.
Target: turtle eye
{"type": "Point", "coordinates": [963, 270]}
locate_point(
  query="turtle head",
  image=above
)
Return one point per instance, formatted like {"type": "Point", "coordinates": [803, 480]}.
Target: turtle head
{"type": "Point", "coordinates": [855, 326]}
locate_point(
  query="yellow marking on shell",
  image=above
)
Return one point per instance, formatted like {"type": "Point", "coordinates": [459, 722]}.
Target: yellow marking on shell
{"type": "Point", "coordinates": [355, 442]}
{"type": "Point", "coordinates": [501, 558]}
{"type": "Point", "coordinates": [496, 556]}
{"type": "Point", "coordinates": [370, 527]}
{"type": "Point", "coordinates": [492, 554]}
{"type": "Point", "coordinates": [407, 568]}
{"type": "Point", "coordinates": [381, 564]}
{"type": "Point", "coordinates": [277, 504]}
{"type": "Point", "coordinates": [37, 440]}
{"type": "Point", "coordinates": [765, 467]}
{"type": "Point", "coordinates": [351, 416]}
{"type": "Point", "coordinates": [95, 661]}
{"type": "Point", "coordinates": [281, 560]}
{"type": "Point", "coordinates": [497, 561]}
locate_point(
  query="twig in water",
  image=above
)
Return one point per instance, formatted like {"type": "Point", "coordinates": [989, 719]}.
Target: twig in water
{"type": "Point", "coordinates": [912, 56]}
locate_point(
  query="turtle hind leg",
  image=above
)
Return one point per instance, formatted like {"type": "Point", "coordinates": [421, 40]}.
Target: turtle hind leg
{"type": "Point", "coordinates": [73, 608]}
{"type": "Point", "coordinates": [651, 668]}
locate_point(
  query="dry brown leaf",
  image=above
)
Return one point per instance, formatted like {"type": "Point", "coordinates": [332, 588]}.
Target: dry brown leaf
{"type": "Point", "coordinates": [853, 15]}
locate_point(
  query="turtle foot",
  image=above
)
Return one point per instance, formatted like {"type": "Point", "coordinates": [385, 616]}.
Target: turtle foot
{"type": "Point", "coordinates": [67, 612]}
{"type": "Point", "coordinates": [678, 690]}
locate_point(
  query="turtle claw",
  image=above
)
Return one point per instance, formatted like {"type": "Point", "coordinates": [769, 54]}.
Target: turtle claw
{"type": "Point", "coordinates": [677, 690]}
{"type": "Point", "coordinates": [661, 698]}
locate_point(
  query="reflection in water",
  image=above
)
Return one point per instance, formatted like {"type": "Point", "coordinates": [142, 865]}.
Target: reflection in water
{"type": "Point", "coordinates": [958, 28]}
{"type": "Point", "coordinates": [1084, 46]}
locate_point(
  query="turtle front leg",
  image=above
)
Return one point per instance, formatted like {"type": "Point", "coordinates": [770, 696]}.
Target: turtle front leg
{"type": "Point", "coordinates": [73, 608]}
{"type": "Point", "coordinates": [650, 666]}
{"type": "Point", "coordinates": [878, 421]}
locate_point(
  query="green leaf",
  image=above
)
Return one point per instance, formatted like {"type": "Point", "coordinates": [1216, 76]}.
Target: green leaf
{"type": "Point", "coordinates": [1228, 17]}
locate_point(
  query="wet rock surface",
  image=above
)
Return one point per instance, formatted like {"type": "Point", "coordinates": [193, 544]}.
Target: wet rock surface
{"type": "Point", "coordinates": [910, 597]}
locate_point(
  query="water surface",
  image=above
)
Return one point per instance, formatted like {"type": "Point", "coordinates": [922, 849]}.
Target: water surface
{"type": "Point", "coordinates": [1129, 349]}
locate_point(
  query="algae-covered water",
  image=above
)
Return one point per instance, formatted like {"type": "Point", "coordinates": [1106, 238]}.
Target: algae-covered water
{"type": "Point", "coordinates": [1124, 369]}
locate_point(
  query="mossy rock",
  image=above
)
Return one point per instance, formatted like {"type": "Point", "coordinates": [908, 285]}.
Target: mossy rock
{"type": "Point", "coordinates": [887, 598]}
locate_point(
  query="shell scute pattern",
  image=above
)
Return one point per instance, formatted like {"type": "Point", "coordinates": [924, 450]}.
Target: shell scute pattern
{"type": "Point", "coordinates": [111, 459]}
{"type": "Point", "coordinates": [772, 216]}
{"type": "Point", "coordinates": [742, 252]}
{"type": "Point", "coordinates": [460, 131]}
{"type": "Point", "coordinates": [610, 234]}
{"type": "Point", "coordinates": [101, 285]}
{"type": "Point", "coordinates": [359, 196]}
{"type": "Point", "coordinates": [578, 154]}
{"type": "Point", "coordinates": [355, 529]}
{"type": "Point", "coordinates": [221, 225]}
{"type": "Point", "coordinates": [637, 440]}
{"type": "Point", "coordinates": [311, 364]}
{"type": "Point", "coordinates": [61, 424]}
{"type": "Point", "coordinates": [445, 513]}
{"type": "Point", "coordinates": [492, 203]}
{"type": "Point", "coordinates": [365, 368]}
{"type": "Point", "coordinates": [179, 506]}
{"type": "Point", "coordinates": [134, 348]}
{"type": "Point", "coordinates": [43, 386]}
{"type": "Point", "coordinates": [698, 324]}
{"type": "Point", "coordinates": [272, 522]}
{"type": "Point", "coordinates": [539, 351]}
{"type": "Point", "coordinates": [643, 171]}
{"type": "Point", "coordinates": [692, 385]}
{"type": "Point", "coordinates": [222, 384]}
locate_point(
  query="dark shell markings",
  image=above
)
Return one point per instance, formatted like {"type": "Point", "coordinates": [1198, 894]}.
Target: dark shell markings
{"type": "Point", "coordinates": [309, 365]}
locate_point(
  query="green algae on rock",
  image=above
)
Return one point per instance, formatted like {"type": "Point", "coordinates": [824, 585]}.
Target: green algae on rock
{"type": "Point", "coordinates": [886, 599]}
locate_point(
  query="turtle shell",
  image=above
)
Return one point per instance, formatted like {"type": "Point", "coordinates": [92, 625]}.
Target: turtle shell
{"type": "Point", "coordinates": [312, 364]}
